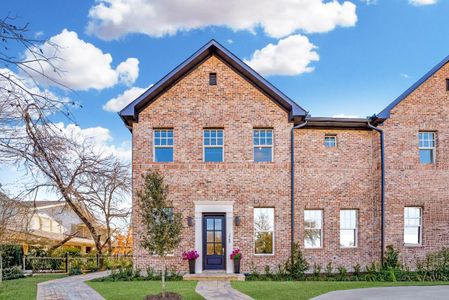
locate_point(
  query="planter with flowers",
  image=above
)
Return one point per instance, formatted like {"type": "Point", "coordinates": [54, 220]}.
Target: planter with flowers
{"type": "Point", "coordinates": [191, 256]}
{"type": "Point", "coordinates": [236, 256]}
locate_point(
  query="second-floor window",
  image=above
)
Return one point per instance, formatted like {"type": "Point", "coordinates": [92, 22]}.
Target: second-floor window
{"type": "Point", "coordinates": [263, 145]}
{"type": "Point", "coordinates": [163, 145]}
{"type": "Point", "coordinates": [427, 147]}
{"type": "Point", "coordinates": [330, 141]}
{"type": "Point", "coordinates": [213, 145]}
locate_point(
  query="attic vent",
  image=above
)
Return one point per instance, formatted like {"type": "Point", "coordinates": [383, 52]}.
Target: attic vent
{"type": "Point", "coordinates": [447, 84]}
{"type": "Point", "coordinates": [212, 78]}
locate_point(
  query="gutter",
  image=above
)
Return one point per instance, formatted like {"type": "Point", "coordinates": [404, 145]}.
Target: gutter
{"type": "Point", "coordinates": [292, 185]}
{"type": "Point", "coordinates": [382, 190]}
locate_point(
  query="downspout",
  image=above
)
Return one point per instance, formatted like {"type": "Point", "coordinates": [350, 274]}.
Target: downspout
{"type": "Point", "coordinates": [292, 185]}
{"type": "Point", "coordinates": [382, 189]}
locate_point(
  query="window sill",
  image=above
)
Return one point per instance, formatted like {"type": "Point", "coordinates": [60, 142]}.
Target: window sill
{"type": "Point", "coordinates": [351, 247]}
{"type": "Point", "coordinates": [263, 254]}
{"type": "Point", "coordinates": [314, 248]}
{"type": "Point", "coordinates": [413, 245]}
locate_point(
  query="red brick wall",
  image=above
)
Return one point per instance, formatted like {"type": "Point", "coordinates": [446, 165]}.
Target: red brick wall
{"type": "Point", "coordinates": [408, 183]}
{"type": "Point", "coordinates": [331, 179]}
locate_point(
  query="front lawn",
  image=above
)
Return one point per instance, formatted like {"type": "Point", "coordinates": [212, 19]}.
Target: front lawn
{"type": "Point", "coordinates": [23, 288]}
{"type": "Point", "coordinates": [302, 290]}
{"type": "Point", "coordinates": [130, 290]}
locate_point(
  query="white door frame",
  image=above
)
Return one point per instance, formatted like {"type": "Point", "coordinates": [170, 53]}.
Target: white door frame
{"type": "Point", "coordinates": [225, 207]}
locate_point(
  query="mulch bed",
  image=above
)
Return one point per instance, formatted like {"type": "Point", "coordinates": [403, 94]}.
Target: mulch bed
{"type": "Point", "coordinates": [168, 296]}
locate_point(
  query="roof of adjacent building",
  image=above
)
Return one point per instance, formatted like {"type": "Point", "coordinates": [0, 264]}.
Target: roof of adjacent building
{"type": "Point", "coordinates": [343, 123]}
{"type": "Point", "coordinates": [130, 113]}
{"type": "Point", "coordinates": [385, 114]}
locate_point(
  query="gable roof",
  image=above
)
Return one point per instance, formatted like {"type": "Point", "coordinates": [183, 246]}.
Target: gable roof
{"type": "Point", "coordinates": [385, 114]}
{"type": "Point", "coordinates": [130, 113]}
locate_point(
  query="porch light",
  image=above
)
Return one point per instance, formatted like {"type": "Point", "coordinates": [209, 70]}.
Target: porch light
{"type": "Point", "coordinates": [237, 221]}
{"type": "Point", "coordinates": [190, 221]}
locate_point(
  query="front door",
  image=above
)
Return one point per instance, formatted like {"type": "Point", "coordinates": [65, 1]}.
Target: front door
{"type": "Point", "coordinates": [214, 242]}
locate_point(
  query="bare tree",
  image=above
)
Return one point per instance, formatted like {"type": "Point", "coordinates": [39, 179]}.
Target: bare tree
{"type": "Point", "coordinates": [29, 137]}
{"type": "Point", "coordinates": [108, 195]}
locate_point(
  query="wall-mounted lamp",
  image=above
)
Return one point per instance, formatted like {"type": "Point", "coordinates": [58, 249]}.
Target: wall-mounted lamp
{"type": "Point", "coordinates": [190, 221]}
{"type": "Point", "coordinates": [237, 221]}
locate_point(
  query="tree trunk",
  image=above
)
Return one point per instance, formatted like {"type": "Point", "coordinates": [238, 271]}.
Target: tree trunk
{"type": "Point", "coordinates": [163, 278]}
{"type": "Point", "coordinates": [108, 228]}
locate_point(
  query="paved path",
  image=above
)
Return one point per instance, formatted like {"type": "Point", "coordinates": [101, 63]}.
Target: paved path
{"type": "Point", "coordinates": [219, 290]}
{"type": "Point", "coordinates": [395, 293]}
{"type": "Point", "coordinates": [70, 288]}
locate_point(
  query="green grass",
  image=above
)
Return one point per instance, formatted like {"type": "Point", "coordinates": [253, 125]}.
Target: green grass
{"type": "Point", "coordinates": [131, 290]}
{"type": "Point", "coordinates": [301, 290]}
{"type": "Point", "coordinates": [23, 288]}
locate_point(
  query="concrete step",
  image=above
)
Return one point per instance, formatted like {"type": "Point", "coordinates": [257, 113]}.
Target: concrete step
{"type": "Point", "coordinates": [214, 276]}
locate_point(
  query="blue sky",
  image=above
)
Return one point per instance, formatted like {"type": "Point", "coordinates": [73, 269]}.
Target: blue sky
{"type": "Point", "coordinates": [332, 57]}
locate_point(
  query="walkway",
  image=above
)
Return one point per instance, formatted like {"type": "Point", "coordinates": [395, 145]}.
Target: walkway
{"type": "Point", "coordinates": [219, 290]}
{"type": "Point", "coordinates": [70, 288]}
{"type": "Point", "coordinates": [397, 293]}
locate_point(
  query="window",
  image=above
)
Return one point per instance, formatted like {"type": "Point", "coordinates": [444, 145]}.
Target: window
{"type": "Point", "coordinates": [412, 225]}
{"type": "Point", "coordinates": [213, 145]}
{"type": "Point", "coordinates": [330, 141]}
{"type": "Point", "coordinates": [348, 228]}
{"type": "Point", "coordinates": [163, 145]}
{"type": "Point", "coordinates": [212, 78]}
{"type": "Point", "coordinates": [264, 230]}
{"type": "Point", "coordinates": [313, 233]}
{"type": "Point", "coordinates": [447, 84]}
{"type": "Point", "coordinates": [263, 145]}
{"type": "Point", "coordinates": [427, 147]}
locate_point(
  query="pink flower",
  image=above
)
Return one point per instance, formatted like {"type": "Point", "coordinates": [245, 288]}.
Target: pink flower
{"type": "Point", "coordinates": [190, 255]}
{"type": "Point", "coordinates": [236, 254]}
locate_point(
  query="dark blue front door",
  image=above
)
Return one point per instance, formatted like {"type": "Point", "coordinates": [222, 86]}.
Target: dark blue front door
{"type": "Point", "coordinates": [214, 242]}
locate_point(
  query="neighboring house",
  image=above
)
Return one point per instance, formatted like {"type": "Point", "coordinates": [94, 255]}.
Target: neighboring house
{"type": "Point", "coordinates": [46, 223]}
{"type": "Point", "coordinates": [223, 137]}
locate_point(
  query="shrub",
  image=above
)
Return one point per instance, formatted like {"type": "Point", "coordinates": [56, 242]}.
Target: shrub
{"type": "Point", "coordinates": [11, 255]}
{"type": "Point", "coordinates": [329, 270]}
{"type": "Point", "coordinates": [12, 273]}
{"type": "Point", "coordinates": [317, 271]}
{"type": "Point", "coordinates": [296, 265]}
{"type": "Point", "coordinates": [391, 259]}
{"type": "Point", "coordinates": [342, 273]}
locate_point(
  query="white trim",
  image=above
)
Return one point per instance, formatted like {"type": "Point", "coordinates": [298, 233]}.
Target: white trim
{"type": "Point", "coordinates": [273, 232]}
{"type": "Point", "coordinates": [264, 146]}
{"type": "Point", "coordinates": [163, 146]}
{"type": "Point", "coordinates": [420, 227]}
{"type": "Point", "coordinates": [321, 229]}
{"type": "Point", "coordinates": [433, 149]}
{"type": "Point", "coordinates": [225, 207]}
{"type": "Point", "coordinates": [356, 228]}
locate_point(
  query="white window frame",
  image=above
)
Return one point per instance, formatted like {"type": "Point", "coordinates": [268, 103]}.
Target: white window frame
{"type": "Point", "coordinates": [264, 146]}
{"type": "Point", "coordinates": [273, 232]}
{"type": "Point", "coordinates": [163, 146]}
{"type": "Point", "coordinates": [420, 234]}
{"type": "Point", "coordinates": [213, 146]}
{"type": "Point", "coordinates": [356, 228]}
{"type": "Point", "coordinates": [428, 148]}
{"type": "Point", "coordinates": [334, 136]}
{"type": "Point", "coordinates": [308, 228]}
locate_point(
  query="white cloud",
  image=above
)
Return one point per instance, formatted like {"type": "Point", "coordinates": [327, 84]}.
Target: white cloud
{"type": "Point", "coordinates": [403, 75]}
{"type": "Point", "coordinates": [422, 2]}
{"type": "Point", "coordinates": [290, 56]}
{"type": "Point", "coordinates": [118, 103]}
{"type": "Point", "coordinates": [111, 19]}
{"type": "Point", "coordinates": [230, 41]}
{"type": "Point", "coordinates": [100, 138]}
{"type": "Point", "coordinates": [369, 2]}
{"type": "Point", "coordinates": [82, 65]}
{"type": "Point", "coordinates": [345, 116]}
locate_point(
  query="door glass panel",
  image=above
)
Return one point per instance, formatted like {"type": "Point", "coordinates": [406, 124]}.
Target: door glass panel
{"type": "Point", "coordinates": [210, 249]}
{"type": "Point", "coordinates": [217, 224]}
{"type": "Point", "coordinates": [218, 249]}
{"type": "Point", "coordinates": [218, 236]}
{"type": "Point", "coordinates": [210, 236]}
{"type": "Point", "coordinates": [210, 224]}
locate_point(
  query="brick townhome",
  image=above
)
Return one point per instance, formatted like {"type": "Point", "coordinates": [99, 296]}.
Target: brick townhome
{"type": "Point", "coordinates": [222, 136]}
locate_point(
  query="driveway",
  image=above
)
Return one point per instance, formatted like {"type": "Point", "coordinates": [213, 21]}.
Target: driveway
{"type": "Point", "coordinates": [394, 293]}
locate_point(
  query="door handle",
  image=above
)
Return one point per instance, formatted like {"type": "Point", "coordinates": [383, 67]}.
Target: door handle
{"type": "Point", "coordinates": [223, 253]}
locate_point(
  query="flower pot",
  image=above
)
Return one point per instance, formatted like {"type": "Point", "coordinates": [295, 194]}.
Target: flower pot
{"type": "Point", "coordinates": [192, 266]}
{"type": "Point", "coordinates": [237, 266]}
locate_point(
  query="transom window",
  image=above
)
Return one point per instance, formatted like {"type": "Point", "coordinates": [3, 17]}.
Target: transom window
{"type": "Point", "coordinates": [163, 145]}
{"type": "Point", "coordinates": [263, 145]}
{"type": "Point", "coordinates": [412, 225]}
{"type": "Point", "coordinates": [313, 228]}
{"type": "Point", "coordinates": [264, 230]}
{"type": "Point", "coordinates": [213, 145]}
{"type": "Point", "coordinates": [330, 141]}
{"type": "Point", "coordinates": [348, 228]}
{"type": "Point", "coordinates": [427, 147]}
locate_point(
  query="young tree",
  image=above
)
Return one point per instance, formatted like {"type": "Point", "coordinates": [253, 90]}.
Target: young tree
{"type": "Point", "coordinates": [162, 227]}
